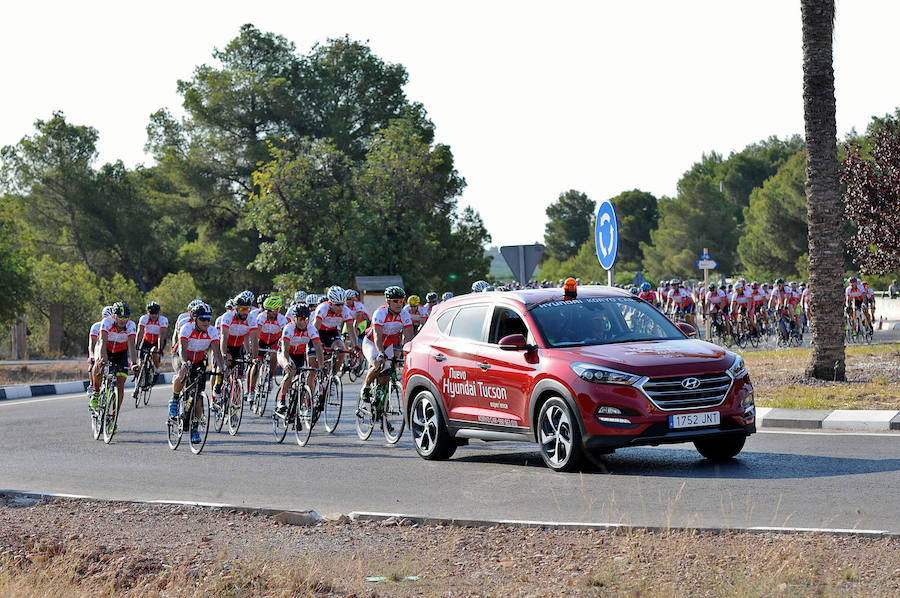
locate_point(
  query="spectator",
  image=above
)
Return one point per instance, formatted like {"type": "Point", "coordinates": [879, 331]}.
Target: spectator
{"type": "Point", "coordinates": [894, 290]}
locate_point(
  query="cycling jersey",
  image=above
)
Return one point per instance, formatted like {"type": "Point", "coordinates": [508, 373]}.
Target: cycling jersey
{"type": "Point", "coordinates": [95, 329]}
{"type": "Point", "coordinates": [391, 325]}
{"type": "Point", "coordinates": [716, 299]}
{"type": "Point", "coordinates": [781, 296]}
{"type": "Point", "coordinates": [740, 300]}
{"type": "Point", "coordinates": [359, 309]}
{"type": "Point", "coordinates": [418, 317]}
{"type": "Point", "coordinates": [236, 328]}
{"type": "Point", "coordinates": [329, 320]}
{"type": "Point", "coordinates": [117, 340]}
{"type": "Point", "coordinates": [270, 330]}
{"type": "Point", "coordinates": [648, 296]}
{"type": "Point", "coordinates": [681, 298]}
{"type": "Point", "coordinates": [195, 343]}
{"type": "Point", "coordinates": [757, 297]}
{"type": "Point", "coordinates": [854, 292]}
{"type": "Point", "coordinates": [298, 337]}
{"type": "Point", "coordinates": [152, 330]}
{"type": "Point", "coordinates": [179, 322]}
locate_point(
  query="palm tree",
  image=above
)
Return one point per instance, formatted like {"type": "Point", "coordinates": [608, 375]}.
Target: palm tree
{"type": "Point", "coordinates": [823, 199]}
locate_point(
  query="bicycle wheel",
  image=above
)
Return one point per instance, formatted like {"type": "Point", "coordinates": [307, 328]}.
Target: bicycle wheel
{"type": "Point", "coordinates": [280, 420]}
{"type": "Point", "coordinates": [334, 399]}
{"type": "Point", "coordinates": [201, 422]}
{"type": "Point", "coordinates": [263, 388]}
{"type": "Point", "coordinates": [139, 385]}
{"type": "Point", "coordinates": [392, 420]}
{"type": "Point", "coordinates": [304, 416]}
{"type": "Point", "coordinates": [111, 415]}
{"type": "Point", "coordinates": [365, 419]}
{"type": "Point", "coordinates": [148, 383]}
{"type": "Point", "coordinates": [98, 414]}
{"type": "Point", "coordinates": [218, 410]}
{"type": "Point", "coordinates": [235, 406]}
{"type": "Point", "coordinates": [175, 426]}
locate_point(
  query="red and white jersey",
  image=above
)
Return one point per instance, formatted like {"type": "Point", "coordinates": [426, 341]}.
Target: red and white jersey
{"type": "Point", "coordinates": [152, 329]}
{"type": "Point", "coordinates": [781, 296]}
{"type": "Point", "coordinates": [804, 297]}
{"type": "Point", "coordinates": [298, 337]}
{"type": "Point", "coordinates": [236, 328]}
{"type": "Point", "coordinates": [740, 298]}
{"type": "Point", "coordinates": [757, 297]}
{"type": "Point", "coordinates": [195, 343]}
{"type": "Point", "coordinates": [270, 330]}
{"type": "Point", "coordinates": [391, 325]}
{"type": "Point", "coordinates": [680, 297]}
{"type": "Point", "coordinates": [419, 316]}
{"type": "Point", "coordinates": [254, 313]}
{"type": "Point", "coordinates": [180, 321]}
{"type": "Point", "coordinates": [95, 329]}
{"type": "Point", "coordinates": [854, 291]}
{"type": "Point", "coordinates": [359, 311]}
{"type": "Point", "coordinates": [717, 298]}
{"type": "Point", "coordinates": [329, 320]}
{"type": "Point", "coordinates": [869, 292]}
{"type": "Point", "coordinates": [117, 340]}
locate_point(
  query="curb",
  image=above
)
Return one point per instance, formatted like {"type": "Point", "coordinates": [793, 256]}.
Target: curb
{"type": "Point", "coordinates": [310, 517]}
{"type": "Point", "coordinates": [27, 391]}
{"type": "Point", "coordinates": [863, 420]}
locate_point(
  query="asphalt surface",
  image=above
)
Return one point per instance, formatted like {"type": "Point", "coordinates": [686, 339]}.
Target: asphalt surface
{"type": "Point", "coordinates": [782, 479]}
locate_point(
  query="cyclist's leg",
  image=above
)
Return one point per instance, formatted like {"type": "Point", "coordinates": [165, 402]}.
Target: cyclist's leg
{"type": "Point", "coordinates": [289, 372]}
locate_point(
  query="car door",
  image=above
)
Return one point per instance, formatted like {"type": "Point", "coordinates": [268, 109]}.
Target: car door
{"type": "Point", "coordinates": [506, 376]}
{"type": "Point", "coordinates": [453, 361]}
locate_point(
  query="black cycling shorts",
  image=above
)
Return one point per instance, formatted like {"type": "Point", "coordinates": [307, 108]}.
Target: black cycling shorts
{"type": "Point", "coordinates": [235, 352]}
{"type": "Point", "coordinates": [118, 362]}
{"type": "Point", "coordinates": [328, 337]}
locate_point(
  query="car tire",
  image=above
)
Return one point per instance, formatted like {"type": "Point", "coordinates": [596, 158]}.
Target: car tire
{"type": "Point", "coordinates": [430, 435]}
{"type": "Point", "coordinates": [559, 436]}
{"type": "Point", "coordinates": [720, 449]}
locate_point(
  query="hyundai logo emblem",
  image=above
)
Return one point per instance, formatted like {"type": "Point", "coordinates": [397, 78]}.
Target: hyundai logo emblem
{"type": "Point", "coordinates": [690, 383]}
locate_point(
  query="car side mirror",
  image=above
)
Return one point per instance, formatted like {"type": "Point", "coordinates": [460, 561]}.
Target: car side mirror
{"type": "Point", "coordinates": [513, 342]}
{"type": "Point", "coordinates": [687, 329]}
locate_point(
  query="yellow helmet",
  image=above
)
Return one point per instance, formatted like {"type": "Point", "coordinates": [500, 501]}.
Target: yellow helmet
{"type": "Point", "coordinates": [413, 300]}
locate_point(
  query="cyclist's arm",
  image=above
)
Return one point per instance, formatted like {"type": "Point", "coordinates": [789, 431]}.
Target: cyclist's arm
{"type": "Point", "coordinates": [320, 350]}
{"type": "Point", "coordinates": [407, 334]}
{"type": "Point", "coordinates": [92, 344]}
{"type": "Point", "coordinates": [378, 339]}
{"type": "Point", "coordinates": [140, 331]}
{"type": "Point", "coordinates": [283, 344]}
{"type": "Point", "coordinates": [223, 340]}
{"type": "Point", "coordinates": [132, 352]}
{"type": "Point", "coordinates": [161, 339]}
{"type": "Point", "coordinates": [101, 351]}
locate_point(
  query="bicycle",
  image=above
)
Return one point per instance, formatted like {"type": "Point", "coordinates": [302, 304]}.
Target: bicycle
{"type": "Point", "coordinates": [329, 391]}
{"type": "Point", "coordinates": [187, 418]}
{"type": "Point", "coordinates": [108, 396]}
{"type": "Point", "coordinates": [385, 406]}
{"type": "Point", "coordinates": [299, 410]}
{"type": "Point", "coordinates": [263, 383]}
{"type": "Point", "coordinates": [143, 380]}
{"type": "Point", "coordinates": [355, 366]}
{"type": "Point", "coordinates": [233, 396]}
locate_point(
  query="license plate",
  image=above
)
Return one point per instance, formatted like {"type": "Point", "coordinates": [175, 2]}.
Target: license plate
{"type": "Point", "coordinates": [694, 420]}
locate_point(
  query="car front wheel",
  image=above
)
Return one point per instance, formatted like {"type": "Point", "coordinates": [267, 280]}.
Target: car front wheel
{"type": "Point", "coordinates": [559, 436]}
{"type": "Point", "coordinates": [430, 435]}
{"type": "Point", "coordinates": [720, 449]}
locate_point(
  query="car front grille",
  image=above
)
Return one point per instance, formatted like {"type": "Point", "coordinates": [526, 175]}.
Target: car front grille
{"type": "Point", "coordinates": [670, 394]}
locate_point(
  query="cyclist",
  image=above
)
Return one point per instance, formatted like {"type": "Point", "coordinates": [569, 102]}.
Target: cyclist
{"type": "Point", "coordinates": [388, 324]}
{"type": "Point", "coordinates": [292, 349]}
{"type": "Point", "coordinates": [361, 314]}
{"type": "Point", "coordinates": [152, 331]}
{"type": "Point", "coordinates": [270, 322]}
{"type": "Point", "coordinates": [869, 301]}
{"type": "Point", "coordinates": [236, 328]}
{"type": "Point", "coordinates": [758, 300]}
{"type": "Point", "coordinates": [715, 301]}
{"type": "Point", "coordinates": [179, 322]}
{"type": "Point", "coordinates": [93, 339]}
{"type": "Point", "coordinates": [229, 306]}
{"type": "Point", "coordinates": [198, 337]}
{"type": "Point", "coordinates": [648, 294]}
{"type": "Point", "coordinates": [416, 312]}
{"type": "Point", "coordinates": [681, 301]}
{"type": "Point", "coordinates": [330, 317]}
{"type": "Point", "coordinates": [804, 304]}
{"type": "Point", "coordinates": [116, 346]}
{"type": "Point", "coordinates": [739, 305]}
{"type": "Point", "coordinates": [796, 307]}
{"type": "Point", "coordinates": [780, 301]}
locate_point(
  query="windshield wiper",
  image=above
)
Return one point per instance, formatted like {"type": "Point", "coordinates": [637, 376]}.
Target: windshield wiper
{"type": "Point", "coordinates": [570, 344]}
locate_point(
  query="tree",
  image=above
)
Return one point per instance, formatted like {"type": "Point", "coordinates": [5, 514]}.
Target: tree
{"type": "Point", "coordinates": [872, 183]}
{"type": "Point", "coordinates": [638, 214]}
{"type": "Point", "coordinates": [824, 207]}
{"type": "Point", "coordinates": [72, 286]}
{"type": "Point", "coordinates": [174, 293]}
{"type": "Point", "coordinates": [775, 231]}
{"type": "Point", "coordinates": [569, 224]}
{"type": "Point", "coordinates": [16, 277]}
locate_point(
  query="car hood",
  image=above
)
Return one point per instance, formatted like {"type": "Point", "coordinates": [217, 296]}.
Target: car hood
{"type": "Point", "coordinates": [654, 358]}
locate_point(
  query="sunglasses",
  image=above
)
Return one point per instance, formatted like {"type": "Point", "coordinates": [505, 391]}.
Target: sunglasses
{"type": "Point", "coordinates": [243, 308]}
{"type": "Point", "coordinates": [338, 304]}
{"type": "Point", "coordinates": [204, 319]}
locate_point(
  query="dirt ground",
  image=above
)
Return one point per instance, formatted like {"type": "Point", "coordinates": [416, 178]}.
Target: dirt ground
{"type": "Point", "coordinates": [36, 372]}
{"type": "Point", "coordinates": [66, 547]}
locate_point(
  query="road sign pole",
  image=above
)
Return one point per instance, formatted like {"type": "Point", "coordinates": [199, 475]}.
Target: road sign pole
{"type": "Point", "coordinates": [611, 276]}
{"type": "Point", "coordinates": [703, 290]}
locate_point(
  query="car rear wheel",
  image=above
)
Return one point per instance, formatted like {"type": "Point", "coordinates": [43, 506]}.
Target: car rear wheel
{"type": "Point", "coordinates": [559, 436]}
{"type": "Point", "coordinates": [430, 435]}
{"type": "Point", "coordinates": [720, 449]}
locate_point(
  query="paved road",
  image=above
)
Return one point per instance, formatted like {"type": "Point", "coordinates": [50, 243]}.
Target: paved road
{"type": "Point", "coordinates": [781, 479]}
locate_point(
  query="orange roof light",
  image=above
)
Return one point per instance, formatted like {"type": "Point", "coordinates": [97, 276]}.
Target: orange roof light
{"type": "Point", "coordinates": [570, 288]}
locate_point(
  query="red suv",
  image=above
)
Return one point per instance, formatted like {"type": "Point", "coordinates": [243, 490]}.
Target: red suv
{"type": "Point", "coordinates": [578, 375]}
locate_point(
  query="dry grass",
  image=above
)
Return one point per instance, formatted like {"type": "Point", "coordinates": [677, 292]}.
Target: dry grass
{"type": "Point", "coordinates": [36, 372]}
{"type": "Point", "coordinates": [873, 379]}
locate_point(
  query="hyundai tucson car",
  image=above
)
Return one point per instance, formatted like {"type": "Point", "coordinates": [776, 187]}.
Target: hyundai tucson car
{"type": "Point", "coordinates": [579, 375]}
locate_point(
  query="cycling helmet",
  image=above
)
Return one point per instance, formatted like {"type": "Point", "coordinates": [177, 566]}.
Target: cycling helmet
{"type": "Point", "coordinates": [793, 283]}
{"type": "Point", "coordinates": [229, 305]}
{"type": "Point", "coordinates": [431, 297]}
{"type": "Point", "coordinates": [754, 285]}
{"type": "Point", "coordinates": [194, 303]}
{"type": "Point", "coordinates": [634, 290]}
{"type": "Point", "coordinates": [107, 311]}
{"type": "Point", "coordinates": [489, 288]}
{"type": "Point", "coordinates": [337, 294]}
{"type": "Point", "coordinates": [312, 300]}
{"type": "Point", "coordinates": [153, 307]}
{"type": "Point", "coordinates": [413, 300]}
{"type": "Point", "coordinates": [645, 286]}
{"type": "Point", "coordinates": [272, 302]}
{"type": "Point", "coordinates": [480, 285]}
{"type": "Point", "coordinates": [394, 292]}
{"type": "Point", "coordinates": [351, 294]}
{"type": "Point", "coordinates": [322, 298]}
{"type": "Point", "coordinates": [739, 286]}
{"type": "Point", "coordinates": [712, 286]}
{"type": "Point", "coordinates": [674, 281]}
{"type": "Point", "coordinates": [779, 281]}
{"type": "Point", "coordinates": [261, 299]}
{"type": "Point", "coordinates": [447, 296]}
{"type": "Point", "coordinates": [244, 299]}
{"type": "Point", "coordinates": [299, 296]}
{"type": "Point", "coordinates": [121, 310]}
{"type": "Point", "coordinates": [852, 279]}
{"type": "Point", "coordinates": [201, 310]}
{"type": "Point", "coordinates": [865, 283]}
{"type": "Point", "coordinates": [300, 311]}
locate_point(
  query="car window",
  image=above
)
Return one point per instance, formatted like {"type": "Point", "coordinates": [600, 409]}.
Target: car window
{"type": "Point", "coordinates": [469, 323]}
{"type": "Point", "coordinates": [443, 320]}
{"type": "Point", "coordinates": [505, 322]}
{"type": "Point", "coordinates": [601, 320]}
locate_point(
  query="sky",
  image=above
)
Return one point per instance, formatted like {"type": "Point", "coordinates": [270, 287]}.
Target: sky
{"type": "Point", "coordinates": [533, 98]}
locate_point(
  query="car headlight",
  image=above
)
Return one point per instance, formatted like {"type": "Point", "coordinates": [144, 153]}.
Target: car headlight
{"type": "Point", "coordinates": [737, 369]}
{"type": "Point", "coordinates": [602, 375]}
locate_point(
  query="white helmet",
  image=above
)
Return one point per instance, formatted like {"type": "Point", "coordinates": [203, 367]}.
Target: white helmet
{"type": "Point", "coordinates": [351, 294]}
{"type": "Point", "coordinates": [312, 300]}
{"type": "Point", "coordinates": [107, 311]}
{"type": "Point", "coordinates": [337, 294]}
{"type": "Point", "coordinates": [479, 285]}
{"type": "Point", "coordinates": [299, 296]}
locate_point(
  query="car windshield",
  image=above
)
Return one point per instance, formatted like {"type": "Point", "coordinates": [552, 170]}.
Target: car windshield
{"type": "Point", "coordinates": [601, 320]}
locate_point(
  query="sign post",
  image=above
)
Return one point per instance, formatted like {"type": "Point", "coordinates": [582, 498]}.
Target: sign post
{"type": "Point", "coordinates": [606, 238]}
{"type": "Point", "coordinates": [706, 263]}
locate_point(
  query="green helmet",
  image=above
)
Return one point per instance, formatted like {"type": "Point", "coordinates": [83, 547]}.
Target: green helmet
{"type": "Point", "coordinates": [394, 292]}
{"type": "Point", "coordinates": [121, 309]}
{"type": "Point", "coordinates": [272, 302]}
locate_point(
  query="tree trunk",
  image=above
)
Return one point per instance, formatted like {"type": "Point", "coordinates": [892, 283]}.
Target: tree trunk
{"type": "Point", "coordinates": [55, 337]}
{"type": "Point", "coordinates": [824, 206]}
